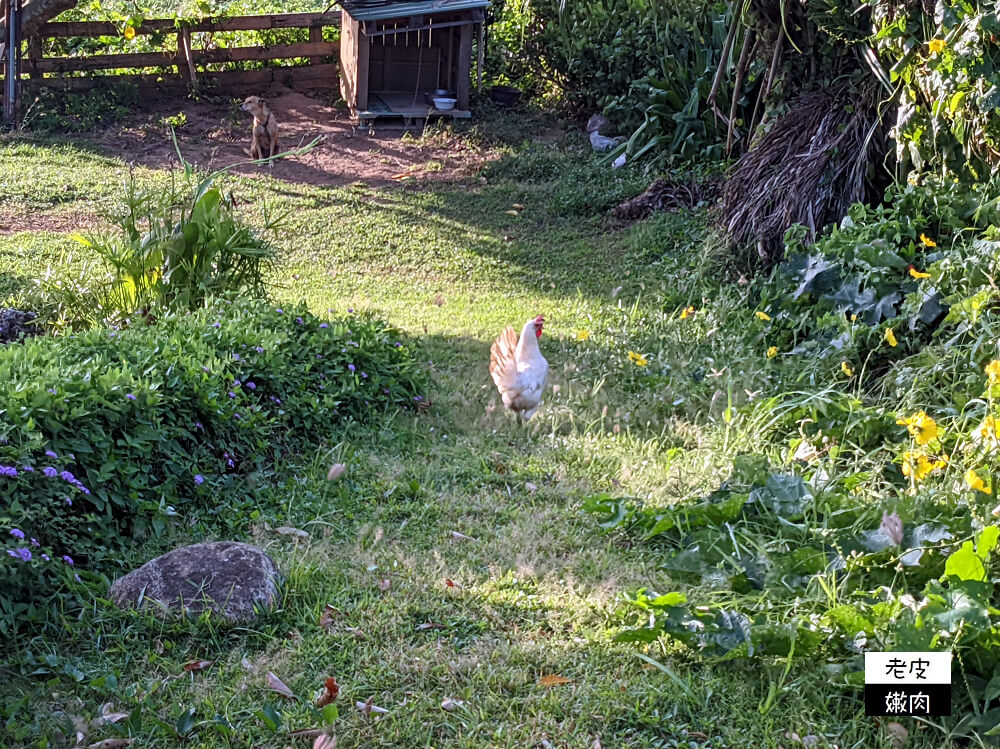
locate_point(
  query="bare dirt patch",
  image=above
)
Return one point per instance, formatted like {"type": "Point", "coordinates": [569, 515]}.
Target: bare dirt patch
{"type": "Point", "coordinates": [15, 219]}
{"type": "Point", "coordinates": [215, 134]}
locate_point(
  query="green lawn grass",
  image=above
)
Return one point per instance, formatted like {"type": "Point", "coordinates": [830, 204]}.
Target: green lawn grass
{"type": "Point", "coordinates": [538, 589]}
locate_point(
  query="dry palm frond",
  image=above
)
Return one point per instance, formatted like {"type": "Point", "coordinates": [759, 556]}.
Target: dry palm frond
{"type": "Point", "coordinates": [808, 168]}
{"type": "Point", "coordinates": [664, 195]}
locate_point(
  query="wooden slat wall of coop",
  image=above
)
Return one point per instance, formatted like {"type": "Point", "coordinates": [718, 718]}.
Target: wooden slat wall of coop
{"type": "Point", "coordinates": [354, 51]}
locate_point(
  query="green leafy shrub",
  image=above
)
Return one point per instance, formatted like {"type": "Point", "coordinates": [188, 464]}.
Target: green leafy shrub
{"type": "Point", "coordinates": [108, 435]}
{"type": "Point", "coordinates": [882, 285]}
{"type": "Point", "coordinates": [172, 248]}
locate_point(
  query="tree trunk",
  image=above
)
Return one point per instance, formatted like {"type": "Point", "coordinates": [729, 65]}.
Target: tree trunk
{"type": "Point", "coordinates": [35, 13]}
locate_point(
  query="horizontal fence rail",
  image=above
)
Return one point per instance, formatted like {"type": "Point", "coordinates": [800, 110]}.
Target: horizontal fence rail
{"type": "Point", "coordinates": [177, 67]}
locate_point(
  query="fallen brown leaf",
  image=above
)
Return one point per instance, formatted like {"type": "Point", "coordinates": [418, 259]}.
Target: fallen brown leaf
{"type": "Point", "coordinates": [306, 733]}
{"type": "Point", "coordinates": [279, 686]}
{"type": "Point", "coordinates": [553, 680]}
{"type": "Point", "coordinates": [384, 584]}
{"type": "Point", "coordinates": [530, 487]}
{"type": "Point", "coordinates": [357, 633]}
{"type": "Point", "coordinates": [517, 207]}
{"type": "Point", "coordinates": [326, 618]}
{"type": "Point", "coordinates": [197, 665]}
{"type": "Point", "coordinates": [330, 691]}
{"type": "Point", "coordinates": [325, 742]}
{"type": "Point", "coordinates": [285, 530]}
{"type": "Point", "coordinates": [449, 703]}
{"type": "Point", "coordinates": [511, 212]}
{"type": "Point", "coordinates": [336, 471]}
{"type": "Point", "coordinates": [109, 744]}
{"type": "Point", "coordinates": [897, 734]}
{"type": "Point", "coordinates": [616, 291]}
{"type": "Point", "coordinates": [453, 584]}
{"type": "Point", "coordinates": [429, 625]}
{"type": "Point", "coordinates": [368, 708]}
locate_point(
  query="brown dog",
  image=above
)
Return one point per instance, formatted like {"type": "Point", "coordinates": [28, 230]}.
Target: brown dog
{"type": "Point", "coordinates": [264, 133]}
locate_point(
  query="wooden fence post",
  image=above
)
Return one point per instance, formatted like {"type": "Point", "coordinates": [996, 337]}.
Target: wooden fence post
{"type": "Point", "coordinates": [12, 82]}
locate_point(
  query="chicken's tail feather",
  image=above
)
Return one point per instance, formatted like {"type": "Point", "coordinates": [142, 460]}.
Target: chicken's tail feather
{"type": "Point", "coordinates": [503, 364]}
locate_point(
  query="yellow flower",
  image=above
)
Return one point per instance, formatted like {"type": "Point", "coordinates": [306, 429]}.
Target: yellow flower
{"type": "Point", "coordinates": [935, 46]}
{"type": "Point", "coordinates": [772, 352]}
{"type": "Point", "coordinates": [927, 241]}
{"type": "Point", "coordinates": [582, 335]}
{"type": "Point", "coordinates": [762, 316]}
{"type": "Point", "coordinates": [987, 433]}
{"type": "Point", "coordinates": [846, 369]}
{"type": "Point", "coordinates": [129, 32]}
{"type": "Point", "coordinates": [921, 426]}
{"type": "Point", "coordinates": [993, 371]}
{"type": "Point", "coordinates": [918, 274]}
{"type": "Point", "coordinates": [890, 337]}
{"type": "Point", "coordinates": [687, 312]}
{"type": "Point", "coordinates": [638, 359]}
{"type": "Point", "coordinates": [919, 466]}
{"type": "Point", "coordinates": [976, 482]}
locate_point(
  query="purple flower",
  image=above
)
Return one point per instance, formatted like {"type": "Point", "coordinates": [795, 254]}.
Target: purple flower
{"type": "Point", "coordinates": [230, 463]}
{"type": "Point", "coordinates": [232, 394]}
{"type": "Point", "coordinates": [417, 398]}
{"type": "Point", "coordinates": [17, 533]}
{"type": "Point", "coordinates": [237, 417]}
{"type": "Point", "coordinates": [77, 577]}
{"type": "Point", "coordinates": [83, 489]}
{"type": "Point", "coordinates": [236, 357]}
{"type": "Point", "coordinates": [385, 391]}
{"type": "Point", "coordinates": [350, 310]}
{"type": "Point", "coordinates": [67, 476]}
{"type": "Point", "coordinates": [24, 554]}
{"type": "Point", "coordinates": [130, 397]}
{"type": "Point", "coordinates": [46, 557]}
{"type": "Point", "coordinates": [50, 472]}
{"type": "Point", "coordinates": [251, 385]}
{"type": "Point", "coordinates": [51, 454]}
{"type": "Point", "coordinates": [8, 471]}
{"type": "Point", "coordinates": [398, 344]}
{"type": "Point", "coordinates": [216, 325]}
{"type": "Point", "coordinates": [236, 383]}
{"type": "Point", "coordinates": [319, 356]}
{"type": "Point", "coordinates": [68, 501]}
{"type": "Point", "coordinates": [323, 325]}
{"type": "Point", "coordinates": [197, 425]}
{"type": "Point", "coordinates": [350, 367]}
{"type": "Point", "coordinates": [280, 311]}
{"type": "Point", "coordinates": [365, 375]}
{"type": "Point", "coordinates": [53, 391]}
{"type": "Point", "coordinates": [68, 560]}
{"type": "Point", "coordinates": [259, 349]}
{"type": "Point", "coordinates": [27, 469]}
{"type": "Point", "coordinates": [34, 542]}
{"type": "Point", "coordinates": [204, 369]}
{"type": "Point", "coordinates": [199, 479]}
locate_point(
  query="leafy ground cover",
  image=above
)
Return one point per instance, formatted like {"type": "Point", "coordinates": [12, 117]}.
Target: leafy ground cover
{"type": "Point", "coordinates": [454, 561]}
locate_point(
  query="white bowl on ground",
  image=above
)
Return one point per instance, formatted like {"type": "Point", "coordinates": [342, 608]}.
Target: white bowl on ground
{"type": "Point", "coordinates": [444, 103]}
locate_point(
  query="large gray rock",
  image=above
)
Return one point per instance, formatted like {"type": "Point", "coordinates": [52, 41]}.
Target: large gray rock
{"type": "Point", "coordinates": [232, 579]}
{"type": "Point", "coordinates": [15, 325]}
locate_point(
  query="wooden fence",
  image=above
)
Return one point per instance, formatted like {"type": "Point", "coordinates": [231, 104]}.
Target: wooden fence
{"type": "Point", "coordinates": [184, 63]}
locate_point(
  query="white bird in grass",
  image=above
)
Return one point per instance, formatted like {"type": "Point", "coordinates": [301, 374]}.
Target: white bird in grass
{"type": "Point", "coordinates": [518, 368]}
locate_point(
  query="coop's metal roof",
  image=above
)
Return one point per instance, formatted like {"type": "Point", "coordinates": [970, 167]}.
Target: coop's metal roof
{"type": "Point", "coordinates": [376, 10]}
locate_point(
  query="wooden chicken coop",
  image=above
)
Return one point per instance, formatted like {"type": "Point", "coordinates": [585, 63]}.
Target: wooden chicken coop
{"type": "Point", "coordinates": [395, 55]}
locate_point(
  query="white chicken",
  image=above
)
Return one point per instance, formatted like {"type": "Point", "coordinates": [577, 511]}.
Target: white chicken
{"type": "Point", "coordinates": [518, 368]}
